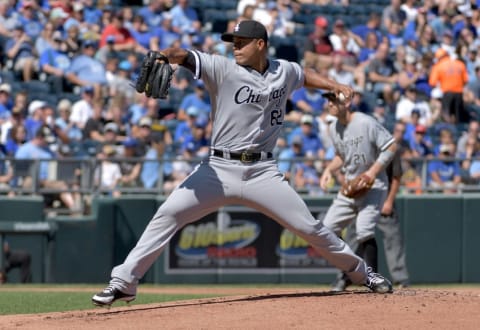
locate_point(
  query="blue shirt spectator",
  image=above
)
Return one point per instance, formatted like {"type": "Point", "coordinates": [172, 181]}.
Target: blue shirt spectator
{"type": "Point", "coordinates": [308, 100]}
{"type": "Point", "coordinates": [310, 140]}
{"type": "Point", "coordinates": [86, 68]}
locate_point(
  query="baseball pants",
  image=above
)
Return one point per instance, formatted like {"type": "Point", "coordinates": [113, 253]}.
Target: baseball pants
{"type": "Point", "coordinates": [217, 182]}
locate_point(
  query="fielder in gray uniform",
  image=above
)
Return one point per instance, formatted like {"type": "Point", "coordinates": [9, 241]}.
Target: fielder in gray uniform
{"type": "Point", "coordinates": [249, 96]}
{"type": "Point", "coordinates": [389, 226]}
{"type": "Point", "coordinates": [363, 147]}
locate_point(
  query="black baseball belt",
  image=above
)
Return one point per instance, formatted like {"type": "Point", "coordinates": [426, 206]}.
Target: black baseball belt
{"type": "Point", "coordinates": [245, 156]}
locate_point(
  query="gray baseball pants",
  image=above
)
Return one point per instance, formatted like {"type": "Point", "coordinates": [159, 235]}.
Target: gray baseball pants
{"type": "Point", "coordinates": [217, 182]}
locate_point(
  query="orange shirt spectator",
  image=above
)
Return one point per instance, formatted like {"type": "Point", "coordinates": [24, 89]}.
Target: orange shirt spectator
{"type": "Point", "coordinates": [450, 74]}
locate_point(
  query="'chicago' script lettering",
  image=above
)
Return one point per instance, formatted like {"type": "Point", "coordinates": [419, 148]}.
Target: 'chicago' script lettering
{"type": "Point", "coordinates": [246, 95]}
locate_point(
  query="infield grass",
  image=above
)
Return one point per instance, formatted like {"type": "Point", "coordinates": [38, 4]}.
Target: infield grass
{"type": "Point", "coordinates": [20, 300]}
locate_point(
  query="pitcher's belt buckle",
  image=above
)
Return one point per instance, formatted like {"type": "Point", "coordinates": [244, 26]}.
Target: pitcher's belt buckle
{"type": "Point", "coordinates": [246, 157]}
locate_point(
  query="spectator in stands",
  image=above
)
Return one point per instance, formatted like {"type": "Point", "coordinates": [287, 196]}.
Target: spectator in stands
{"type": "Point", "coordinates": [6, 173]}
{"type": "Point", "coordinates": [318, 46]}
{"type": "Point", "coordinates": [7, 22]}
{"type": "Point", "coordinates": [393, 13]}
{"type": "Point", "coordinates": [117, 114]}
{"type": "Point", "coordinates": [415, 72]}
{"type": "Point", "coordinates": [472, 91]}
{"type": "Point", "coordinates": [121, 85]}
{"type": "Point", "coordinates": [92, 14]}
{"type": "Point", "coordinates": [85, 70]}
{"type": "Point", "coordinates": [63, 123]}
{"type": "Point", "coordinates": [367, 52]}
{"type": "Point", "coordinates": [399, 131]}
{"type": "Point", "coordinates": [451, 77]}
{"type": "Point", "coordinates": [37, 149]}
{"type": "Point", "coordinates": [82, 110]}
{"type": "Point", "coordinates": [286, 159]}
{"type": "Point", "coordinates": [306, 176]}
{"type": "Point", "coordinates": [427, 40]}
{"type": "Point", "coordinates": [20, 50]}
{"type": "Point", "coordinates": [445, 172]}
{"type": "Point", "coordinates": [36, 117]}
{"type": "Point", "coordinates": [341, 74]}
{"type": "Point", "coordinates": [123, 39]}
{"type": "Point", "coordinates": [54, 62]}
{"type": "Point", "coordinates": [129, 166]}
{"type": "Point", "coordinates": [152, 13]}
{"type": "Point", "coordinates": [6, 103]}
{"type": "Point", "coordinates": [143, 135]}
{"type": "Point", "coordinates": [410, 9]}
{"type": "Point", "coordinates": [143, 35]}
{"type": "Point", "coordinates": [382, 74]}
{"type": "Point", "coordinates": [16, 137]}
{"type": "Point", "coordinates": [166, 33]}
{"type": "Point", "coordinates": [472, 158]}
{"type": "Point", "coordinates": [111, 135]}
{"type": "Point", "coordinates": [199, 99]}
{"type": "Point", "coordinates": [16, 259]}
{"type": "Point", "coordinates": [379, 112]}
{"type": "Point", "coordinates": [107, 175]}
{"type": "Point", "coordinates": [156, 163]}
{"type": "Point", "coordinates": [94, 127]}
{"type": "Point", "coordinates": [184, 127]}
{"type": "Point", "coordinates": [45, 39]}
{"type": "Point", "coordinates": [197, 142]}
{"type": "Point", "coordinates": [73, 41]}
{"type": "Point", "coordinates": [472, 133]}
{"type": "Point", "coordinates": [185, 18]}
{"type": "Point", "coordinates": [411, 101]}
{"type": "Point", "coordinates": [420, 145]}
{"type": "Point", "coordinates": [371, 26]}
{"type": "Point", "coordinates": [311, 141]}
{"type": "Point", "coordinates": [445, 137]}
{"type": "Point", "coordinates": [182, 166]}
{"type": "Point", "coordinates": [29, 18]}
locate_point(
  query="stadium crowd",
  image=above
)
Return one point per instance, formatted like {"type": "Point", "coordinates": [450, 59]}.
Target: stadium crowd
{"type": "Point", "coordinates": [67, 68]}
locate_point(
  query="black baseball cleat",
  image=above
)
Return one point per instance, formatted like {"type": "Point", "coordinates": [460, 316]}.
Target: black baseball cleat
{"type": "Point", "coordinates": [111, 294]}
{"type": "Point", "coordinates": [377, 283]}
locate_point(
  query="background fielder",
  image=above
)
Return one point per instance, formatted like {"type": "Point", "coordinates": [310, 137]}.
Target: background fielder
{"type": "Point", "coordinates": [363, 149]}
{"type": "Point", "coordinates": [249, 95]}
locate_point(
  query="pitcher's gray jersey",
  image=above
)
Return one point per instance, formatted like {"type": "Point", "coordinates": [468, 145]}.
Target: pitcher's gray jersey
{"type": "Point", "coordinates": [255, 127]}
{"type": "Point", "coordinates": [359, 144]}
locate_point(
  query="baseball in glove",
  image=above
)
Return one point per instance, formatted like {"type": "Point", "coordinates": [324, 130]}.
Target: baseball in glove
{"type": "Point", "coordinates": [358, 186]}
{"type": "Point", "coordinates": [155, 76]}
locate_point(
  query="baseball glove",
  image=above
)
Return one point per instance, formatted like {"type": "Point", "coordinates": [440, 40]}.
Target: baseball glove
{"type": "Point", "coordinates": [155, 76]}
{"type": "Point", "coordinates": [358, 186]}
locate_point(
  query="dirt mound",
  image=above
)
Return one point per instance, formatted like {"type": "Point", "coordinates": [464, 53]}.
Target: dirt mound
{"type": "Point", "coordinates": [268, 308]}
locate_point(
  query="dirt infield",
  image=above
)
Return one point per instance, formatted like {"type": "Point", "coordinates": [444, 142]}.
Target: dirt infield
{"type": "Point", "coordinates": [269, 308]}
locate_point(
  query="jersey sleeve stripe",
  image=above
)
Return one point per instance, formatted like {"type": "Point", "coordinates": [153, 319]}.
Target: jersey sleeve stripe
{"type": "Point", "coordinates": [388, 144]}
{"type": "Point", "coordinates": [198, 64]}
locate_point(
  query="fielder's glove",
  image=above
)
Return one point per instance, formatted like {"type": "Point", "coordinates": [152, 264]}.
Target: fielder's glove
{"type": "Point", "coordinates": [358, 186]}
{"type": "Point", "coordinates": [155, 76]}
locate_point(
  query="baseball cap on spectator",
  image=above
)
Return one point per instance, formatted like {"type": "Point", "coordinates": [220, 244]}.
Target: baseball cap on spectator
{"type": "Point", "coordinates": [145, 122]}
{"type": "Point", "coordinates": [201, 122]}
{"type": "Point", "coordinates": [321, 22]}
{"type": "Point", "coordinates": [58, 12]}
{"type": "Point", "coordinates": [87, 89]}
{"type": "Point", "coordinates": [89, 43]}
{"type": "Point", "coordinates": [380, 102]}
{"type": "Point", "coordinates": [27, 4]}
{"type": "Point", "coordinates": [247, 29]}
{"type": "Point", "coordinates": [448, 33]}
{"type": "Point", "coordinates": [35, 105]}
{"type": "Point", "coordinates": [193, 111]}
{"type": "Point", "coordinates": [5, 88]}
{"type": "Point", "coordinates": [190, 146]}
{"type": "Point", "coordinates": [110, 127]}
{"type": "Point", "coordinates": [415, 111]}
{"type": "Point", "coordinates": [339, 23]}
{"type": "Point", "coordinates": [125, 65]}
{"type": "Point", "coordinates": [130, 142]}
{"type": "Point", "coordinates": [307, 119]}
{"type": "Point", "coordinates": [110, 39]}
{"type": "Point", "coordinates": [420, 129]}
{"type": "Point", "coordinates": [411, 88]}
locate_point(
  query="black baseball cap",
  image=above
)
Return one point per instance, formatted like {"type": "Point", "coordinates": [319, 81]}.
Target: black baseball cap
{"type": "Point", "coordinates": [247, 29]}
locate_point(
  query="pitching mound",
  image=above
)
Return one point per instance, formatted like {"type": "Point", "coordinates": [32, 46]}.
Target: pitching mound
{"type": "Point", "coordinates": [277, 309]}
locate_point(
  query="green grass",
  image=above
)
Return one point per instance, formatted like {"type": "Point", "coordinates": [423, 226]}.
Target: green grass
{"type": "Point", "coordinates": [25, 302]}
